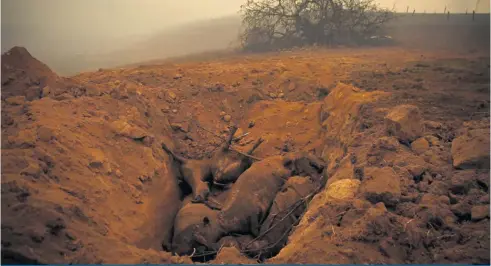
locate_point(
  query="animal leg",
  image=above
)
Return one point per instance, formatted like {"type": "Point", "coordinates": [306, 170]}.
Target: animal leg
{"type": "Point", "coordinates": [255, 225]}
{"type": "Point", "coordinates": [227, 144]}
{"type": "Point", "coordinates": [202, 198]}
{"type": "Point", "coordinates": [178, 158]}
{"type": "Point", "coordinates": [256, 145]}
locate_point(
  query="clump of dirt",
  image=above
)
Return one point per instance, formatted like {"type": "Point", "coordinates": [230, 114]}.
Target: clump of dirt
{"type": "Point", "coordinates": [397, 171]}
{"type": "Point", "coordinates": [403, 202]}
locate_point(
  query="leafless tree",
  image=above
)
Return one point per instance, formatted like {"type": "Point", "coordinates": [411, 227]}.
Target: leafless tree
{"type": "Point", "coordinates": [276, 24]}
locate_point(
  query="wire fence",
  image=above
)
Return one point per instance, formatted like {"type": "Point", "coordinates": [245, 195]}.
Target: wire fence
{"type": "Point", "coordinates": [446, 11]}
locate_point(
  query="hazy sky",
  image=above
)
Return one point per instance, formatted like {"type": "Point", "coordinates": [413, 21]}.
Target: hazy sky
{"type": "Point", "coordinates": [123, 17]}
{"type": "Point", "coordinates": [65, 27]}
{"type": "Point", "coordinates": [117, 17]}
{"type": "Point", "coordinates": [83, 19]}
{"type": "Point", "coordinates": [456, 6]}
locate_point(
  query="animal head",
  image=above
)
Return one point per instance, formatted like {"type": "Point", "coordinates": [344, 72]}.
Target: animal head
{"type": "Point", "coordinates": [182, 244]}
{"type": "Point", "coordinates": [195, 229]}
{"type": "Point", "coordinates": [208, 232]}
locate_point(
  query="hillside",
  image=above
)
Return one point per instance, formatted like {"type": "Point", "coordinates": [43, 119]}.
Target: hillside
{"type": "Point", "coordinates": [421, 31]}
{"type": "Point", "coordinates": [457, 33]}
{"type": "Point", "coordinates": [190, 38]}
{"type": "Point", "coordinates": [215, 37]}
{"type": "Point", "coordinates": [395, 166]}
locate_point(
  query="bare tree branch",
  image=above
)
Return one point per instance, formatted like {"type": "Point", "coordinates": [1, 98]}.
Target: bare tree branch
{"type": "Point", "coordinates": [276, 24]}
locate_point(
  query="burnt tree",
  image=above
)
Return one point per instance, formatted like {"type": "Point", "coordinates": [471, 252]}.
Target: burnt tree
{"type": "Point", "coordinates": [276, 24]}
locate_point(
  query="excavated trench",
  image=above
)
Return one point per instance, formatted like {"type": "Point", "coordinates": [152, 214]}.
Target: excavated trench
{"type": "Point", "coordinates": [244, 241]}
{"type": "Point", "coordinates": [234, 200]}
{"type": "Point", "coordinates": [85, 179]}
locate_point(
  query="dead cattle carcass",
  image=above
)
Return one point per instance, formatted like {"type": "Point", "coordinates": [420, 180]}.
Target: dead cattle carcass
{"type": "Point", "coordinates": [255, 190]}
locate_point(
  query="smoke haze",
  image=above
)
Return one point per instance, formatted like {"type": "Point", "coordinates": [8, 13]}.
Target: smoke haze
{"type": "Point", "coordinates": [59, 31]}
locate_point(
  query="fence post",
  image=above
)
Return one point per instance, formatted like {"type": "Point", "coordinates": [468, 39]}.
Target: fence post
{"type": "Point", "coordinates": [407, 9]}
{"type": "Point", "coordinates": [448, 15]}
{"type": "Point", "coordinates": [473, 14]}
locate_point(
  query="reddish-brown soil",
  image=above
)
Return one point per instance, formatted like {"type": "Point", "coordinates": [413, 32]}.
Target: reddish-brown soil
{"type": "Point", "coordinates": [84, 178]}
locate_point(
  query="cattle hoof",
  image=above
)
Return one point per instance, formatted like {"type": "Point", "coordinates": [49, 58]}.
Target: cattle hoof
{"type": "Point", "coordinates": [197, 200]}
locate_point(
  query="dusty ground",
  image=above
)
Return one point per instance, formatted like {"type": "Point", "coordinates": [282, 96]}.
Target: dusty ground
{"type": "Point", "coordinates": [84, 179]}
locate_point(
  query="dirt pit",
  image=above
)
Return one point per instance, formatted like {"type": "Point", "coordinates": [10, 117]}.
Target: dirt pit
{"type": "Point", "coordinates": [254, 209]}
{"type": "Point", "coordinates": [272, 159]}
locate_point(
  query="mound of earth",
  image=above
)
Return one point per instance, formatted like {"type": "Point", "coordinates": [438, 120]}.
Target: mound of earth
{"type": "Point", "coordinates": [405, 173]}
{"type": "Point", "coordinates": [23, 75]}
{"type": "Point", "coordinates": [26, 78]}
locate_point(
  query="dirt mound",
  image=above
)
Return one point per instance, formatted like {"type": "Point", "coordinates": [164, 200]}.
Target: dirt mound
{"type": "Point", "coordinates": [26, 78]}
{"type": "Point", "coordinates": [24, 75]}
{"type": "Point", "coordinates": [404, 210]}
{"type": "Point", "coordinates": [85, 178]}
{"type": "Point", "coordinates": [78, 182]}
